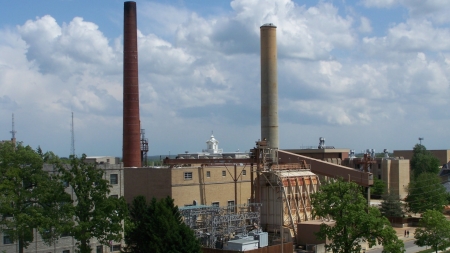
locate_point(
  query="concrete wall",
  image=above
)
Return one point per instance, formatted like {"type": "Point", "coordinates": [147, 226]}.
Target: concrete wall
{"type": "Point", "coordinates": [396, 175]}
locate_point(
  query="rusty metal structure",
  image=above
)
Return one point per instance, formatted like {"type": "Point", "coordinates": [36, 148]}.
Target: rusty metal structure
{"type": "Point", "coordinates": [131, 152]}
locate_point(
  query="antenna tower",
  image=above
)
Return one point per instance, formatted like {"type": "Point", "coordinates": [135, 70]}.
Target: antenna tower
{"type": "Point", "coordinates": [13, 132]}
{"type": "Point", "coordinates": [72, 148]}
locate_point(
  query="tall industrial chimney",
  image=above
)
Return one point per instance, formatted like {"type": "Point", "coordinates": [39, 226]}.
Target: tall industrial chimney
{"type": "Point", "coordinates": [131, 122]}
{"type": "Point", "coordinates": [269, 85]}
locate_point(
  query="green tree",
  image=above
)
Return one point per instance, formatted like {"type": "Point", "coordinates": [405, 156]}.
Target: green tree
{"type": "Point", "coordinates": [423, 161]}
{"type": "Point", "coordinates": [30, 198]}
{"type": "Point", "coordinates": [355, 222]}
{"type": "Point", "coordinates": [434, 231]}
{"type": "Point", "coordinates": [391, 206]}
{"type": "Point", "coordinates": [378, 188]}
{"type": "Point", "coordinates": [164, 229]}
{"type": "Point", "coordinates": [426, 192]}
{"type": "Point", "coordinates": [96, 214]}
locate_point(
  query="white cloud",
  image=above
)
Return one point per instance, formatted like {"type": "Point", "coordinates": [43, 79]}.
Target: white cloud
{"type": "Point", "coordinates": [379, 3]}
{"type": "Point", "coordinates": [201, 73]}
{"type": "Point", "coordinates": [365, 26]}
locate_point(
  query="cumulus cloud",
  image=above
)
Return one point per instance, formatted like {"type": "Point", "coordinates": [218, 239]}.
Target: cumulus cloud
{"type": "Point", "coordinates": [200, 73]}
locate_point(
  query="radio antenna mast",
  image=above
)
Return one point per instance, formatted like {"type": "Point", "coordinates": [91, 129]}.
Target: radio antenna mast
{"type": "Point", "coordinates": [72, 130]}
{"type": "Point", "coordinates": [13, 132]}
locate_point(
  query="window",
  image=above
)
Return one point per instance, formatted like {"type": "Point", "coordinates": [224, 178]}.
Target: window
{"type": "Point", "coordinates": [187, 175]}
{"type": "Point", "coordinates": [66, 251]}
{"type": "Point", "coordinates": [208, 174]}
{"type": "Point", "coordinates": [99, 249]}
{"type": "Point", "coordinates": [6, 238]}
{"type": "Point", "coordinates": [115, 196]}
{"type": "Point", "coordinates": [244, 172]}
{"type": "Point", "coordinates": [215, 204]}
{"type": "Point", "coordinates": [115, 247]}
{"type": "Point", "coordinates": [230, 205]}
{"type": "Point", "coordinates": [224, 173]}
{"type": "Point", "coordinates": [113, 179]}
{"type": "Point", "coordinates": [379, 176]}
{"type": "Point", "coordinates": [65, 184]}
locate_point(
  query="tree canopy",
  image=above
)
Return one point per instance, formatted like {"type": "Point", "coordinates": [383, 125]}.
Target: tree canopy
{"type": "Point", "coordinates": [355, 222]}
{"type": "Point", "coordinates": [423, 161]}
{"type": "Point", "coordinates": [433, 231]}
{"type": "Point", "coordinates": [30, 198]}
{"type": "Point", "coordinates": [426, 192]}
{"type": "Point", "coordinates": [95, 213]}
{"type": "Point", "coordinates": [378, 188]}
{"type": "Point", "coordinates": [391, 206]}
{"type": "Point", "coordinates": [164, 229]}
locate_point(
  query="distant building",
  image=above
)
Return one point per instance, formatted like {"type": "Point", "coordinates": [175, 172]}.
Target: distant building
{"type": "Point", "coordinates": [191, 184]}
{"type": "Point", "coordinates": [442, 154]}
{"type": "Point", "coordinates": [212, 151]}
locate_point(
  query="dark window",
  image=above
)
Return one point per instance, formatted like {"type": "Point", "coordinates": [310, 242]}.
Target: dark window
{"type": "Point", "coordinates": [224, 173]}
{"type": "Point", "coordinates": [187, 175]}
{"type": "Point", "coordinates": [99, 249]}
{"type": "Point", "coordinates": [379, 176]}
{"type": "Point", "coordinates": [66, 251]}
{"type": "Point", "coordinates": [115, 247]}
{"type": "Point", "coordinates": [113, 179]}
{"type": "Point", "coordinates": [244, 172]}
{"type": "Point", "coordinates": [208, 174]}
{"type": "Point", "coordinates": [65, 184]}
{"type": "Point", "coordinates": [215, 204]}
{"type": "Point", "coordinates": [7, 239]}
{"type": "Point", "coordinates": [115, 196]}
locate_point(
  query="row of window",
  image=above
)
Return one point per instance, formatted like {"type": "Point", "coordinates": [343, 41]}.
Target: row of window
{"type": "Point", "coordinates": [188, 175]}
{"type": "Point", "coordinates": [113, 179]}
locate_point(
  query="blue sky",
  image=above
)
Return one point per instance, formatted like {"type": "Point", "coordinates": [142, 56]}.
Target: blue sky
{"type": "Point", "coordinates": [362, 74]}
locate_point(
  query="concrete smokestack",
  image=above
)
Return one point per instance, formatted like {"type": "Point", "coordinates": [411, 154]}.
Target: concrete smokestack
{"type": "Point", "coordinates": [269, 85]}
{"type": "Point", "coordinates": [131, 122]}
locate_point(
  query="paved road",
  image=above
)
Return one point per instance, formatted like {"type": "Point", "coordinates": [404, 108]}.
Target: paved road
{"type": "Point", "coordinates": [409, 246]}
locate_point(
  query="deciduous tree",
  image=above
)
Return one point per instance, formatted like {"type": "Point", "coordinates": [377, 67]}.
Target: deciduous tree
{"type": "Point", "coordinates": [354, 221]}
{"type": "Point", "coordinates": [426, 192]}
{"type": "Point", "coordinates": [164, 229]}
{"type": "Point", "coordinates": [434, 231]}
{"type": "Point", "coordinates": [96, 215]}
{"type": "Point", "coordinates": [423, 161]}
{"type": "Point", "coordinates": [30, 198]}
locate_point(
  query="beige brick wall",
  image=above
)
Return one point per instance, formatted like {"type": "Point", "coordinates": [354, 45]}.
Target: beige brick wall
{"type": "Point", "coordinates": [162, 182]}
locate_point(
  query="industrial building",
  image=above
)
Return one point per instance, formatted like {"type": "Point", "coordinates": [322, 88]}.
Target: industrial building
{"type": "Point", "coordinates": [233, 200]}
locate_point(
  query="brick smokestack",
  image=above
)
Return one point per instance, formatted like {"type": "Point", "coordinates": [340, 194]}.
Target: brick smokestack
{"type": "Point", "coordinates": [131, 123]}
{"type": "Point", "coordinates": [269, 85]}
